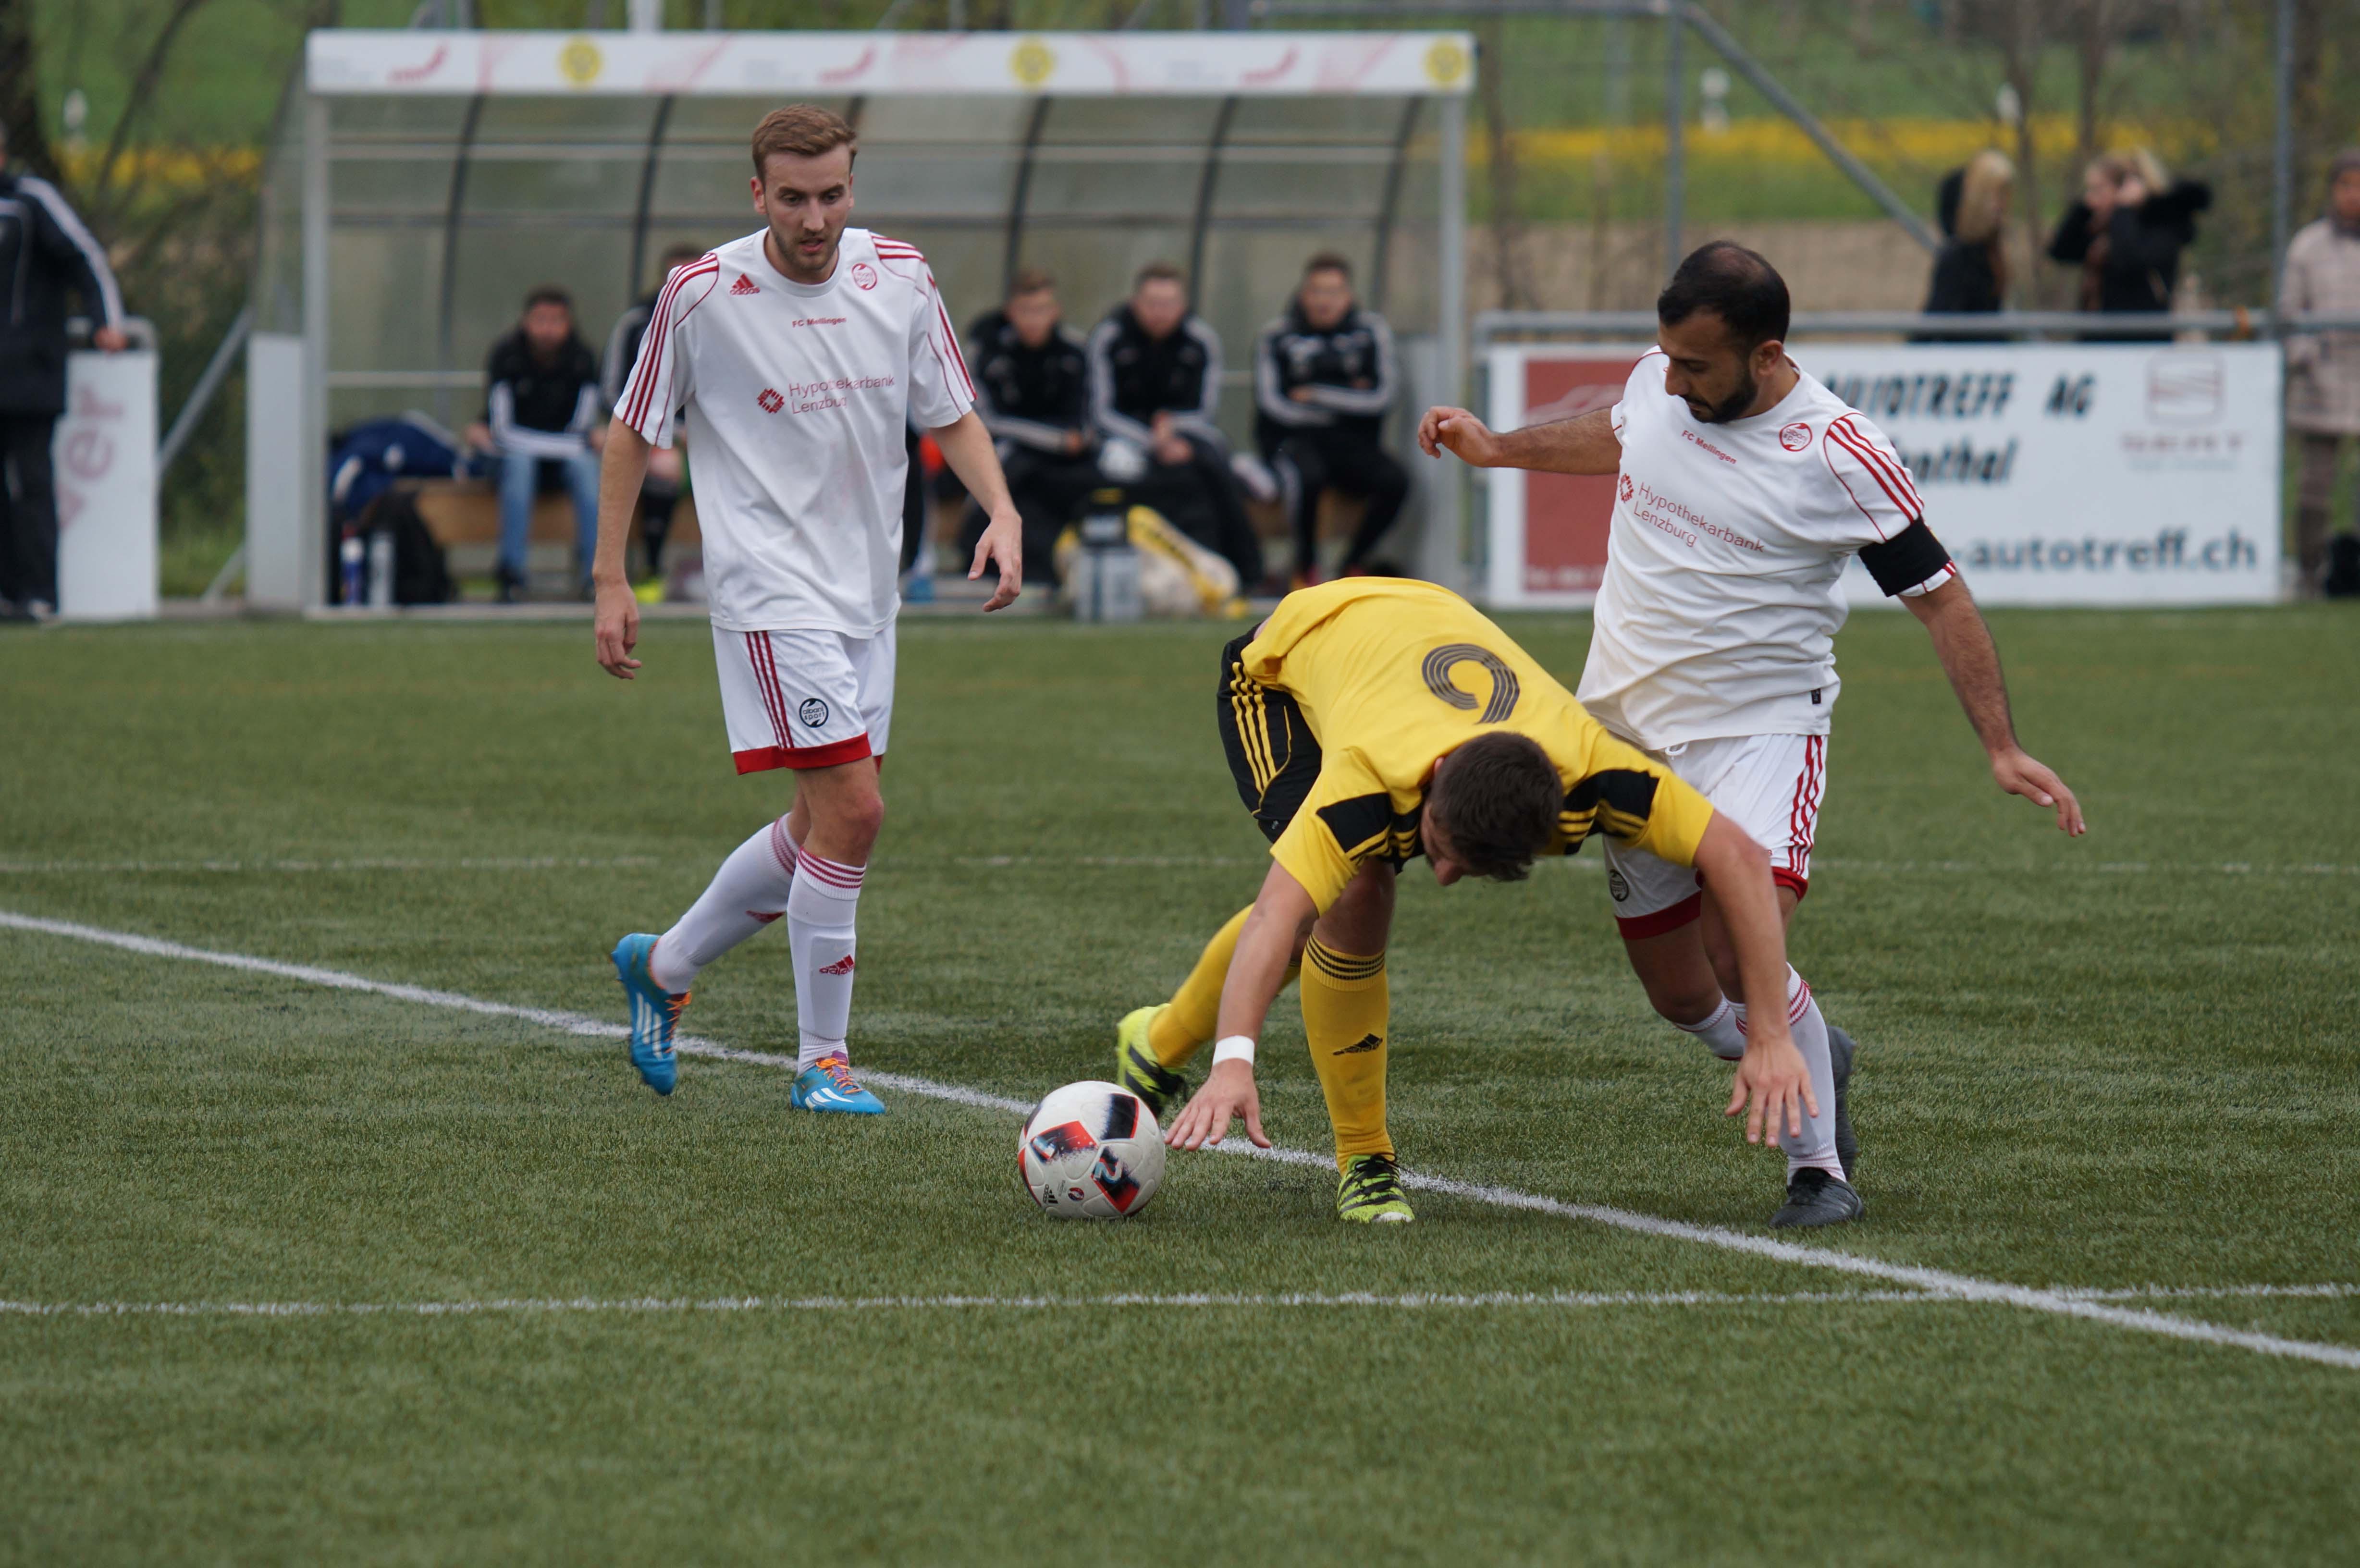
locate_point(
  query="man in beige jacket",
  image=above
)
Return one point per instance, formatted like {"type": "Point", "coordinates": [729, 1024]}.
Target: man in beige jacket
{"type": "Point", "coordinates": [2323, 274]}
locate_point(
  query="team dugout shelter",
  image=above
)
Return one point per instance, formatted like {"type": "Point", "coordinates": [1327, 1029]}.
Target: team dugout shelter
{"type": "Point", "coordinates": [423, 180]}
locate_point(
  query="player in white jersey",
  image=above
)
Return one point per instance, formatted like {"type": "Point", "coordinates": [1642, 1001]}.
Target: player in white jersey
{"type": "Point", "coordinates": [798, 352]}
{"type": "Point", "coordinates": [1744, 487]}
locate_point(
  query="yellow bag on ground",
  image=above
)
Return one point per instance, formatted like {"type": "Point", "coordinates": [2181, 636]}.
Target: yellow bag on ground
{"type": "Point", "coordinates": [1178, 578]}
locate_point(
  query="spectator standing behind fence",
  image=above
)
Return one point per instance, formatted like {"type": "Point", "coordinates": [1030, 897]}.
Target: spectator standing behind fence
{"type": "Point", "coordinates": [2126, 232]}
{"type": "Point", "coordinates": [1971, 272]}
{"type": "Point", "coordinates": [1032, 390]}
{"type": "Point", "coordinates": [667, 471]}
{"type": "Point", "coordinates": [46, 255]}
{"type": "Point", "coordinates": [1155, 385]}
{"type": "Point", "coordinates": [1325, 377]}
{"type": "Point", "coordinates": [542, 407]}
{"type": "Point", "coordinates": [2323, 277]}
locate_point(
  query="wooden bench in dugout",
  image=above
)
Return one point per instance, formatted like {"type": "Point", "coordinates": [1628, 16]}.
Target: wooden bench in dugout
{"type": "Point", "coordinates": [463, 515]}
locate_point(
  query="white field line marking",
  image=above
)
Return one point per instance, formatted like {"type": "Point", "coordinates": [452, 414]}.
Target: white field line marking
{"type": "Point", "coordinates": [2206, 1292]}
{"type": "Point", "coordinates": [1411, 1302]}
{"type": "Point", "coordinates": [1414, 1301]}
{"type": "Point", "coordinates": [501, 863]}
{"type": "Point", "coordinates": [1834, 863]}
{"type": "Point", "coordinates": [1966, 1286]}
{"type": "Point", "coordinates": [1066, 862]}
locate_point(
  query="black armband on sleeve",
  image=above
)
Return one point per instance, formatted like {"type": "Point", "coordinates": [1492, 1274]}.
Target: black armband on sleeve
{"type": "Point", "coordinates": [1905, 560]}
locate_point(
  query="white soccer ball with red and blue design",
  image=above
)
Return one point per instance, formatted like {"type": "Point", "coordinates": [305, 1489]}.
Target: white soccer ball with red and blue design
{"type": "Point", "coordinates": [1091, 1151]}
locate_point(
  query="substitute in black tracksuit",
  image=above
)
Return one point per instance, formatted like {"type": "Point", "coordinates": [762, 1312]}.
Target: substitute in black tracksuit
{"type": "Point", "coordinates": [1325, 377]}
{"type": "Point", "coordinates": [1155, 385]}
{"type": "Point", "coordinates": [46, 255]}
{"type": "Point", "coordinates": [1032, 392]}
{"type": "Point", "coordinates": [661, 491]}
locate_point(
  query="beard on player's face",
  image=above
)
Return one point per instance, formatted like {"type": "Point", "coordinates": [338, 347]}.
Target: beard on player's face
{"type": "Point", "coordinates": [1732, 407]}
{"type": "Point", "coordinates": [806, 204]}
{"type": "Point", "coordinates": [808, 236]}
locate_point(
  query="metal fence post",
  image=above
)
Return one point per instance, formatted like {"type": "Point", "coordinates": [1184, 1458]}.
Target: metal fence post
{"type": "Point", "coordinates": [1674, 158]}
{"type": "Point", "coordinates": [2282, 162]}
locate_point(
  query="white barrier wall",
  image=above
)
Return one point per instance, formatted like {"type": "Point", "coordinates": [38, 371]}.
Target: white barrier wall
{"type": "Point", "coordinates": [2057, 473]}
{"type": "Point", "coordinates": [105, 455]}
{"type": "Point", "coordinates": [283, 566]}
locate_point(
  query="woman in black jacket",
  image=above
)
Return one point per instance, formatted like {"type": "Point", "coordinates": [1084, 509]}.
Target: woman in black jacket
{"type": "Point", "coordinates": [2126, 232]}
{"type": "Point", "coordinates": [1970, 273]}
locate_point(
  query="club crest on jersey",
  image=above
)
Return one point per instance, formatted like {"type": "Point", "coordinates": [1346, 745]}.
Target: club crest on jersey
{"type": "Point", "coordinates": [745, 285]}
{"type": "Point", "coordinates": [863, 274]}
{"type": "Point", "coordinates": [1628, 489]}
{"type": "Point", "coordinates": [1795, 436]}
{"type": "Point", "coordinates": [814, 712]}
{"type": "Point", "coordinates": [770, 400]}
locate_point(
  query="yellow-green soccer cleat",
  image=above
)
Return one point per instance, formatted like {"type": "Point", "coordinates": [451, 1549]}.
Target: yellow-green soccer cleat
{"type": "Point", "coordinates": [1136, 1068]}
{"type": "Point", "coordinates": [1370, 1192]}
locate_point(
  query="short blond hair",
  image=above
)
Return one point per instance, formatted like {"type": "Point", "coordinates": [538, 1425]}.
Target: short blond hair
{"type": "Point", "coordinates": [802, 130]}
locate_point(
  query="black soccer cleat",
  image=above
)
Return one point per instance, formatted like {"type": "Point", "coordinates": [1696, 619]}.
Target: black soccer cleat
{"type": "Point", "coordinates": [1840, 1054]}
{"type": "Point", "coordinates": [1815, 1198]}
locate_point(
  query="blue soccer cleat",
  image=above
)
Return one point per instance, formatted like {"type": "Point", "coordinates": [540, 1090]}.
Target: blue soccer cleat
{"type": "Point", "coordinates": [827, 1085]}
{"type": "Point", "coordinates": [655, 1013]}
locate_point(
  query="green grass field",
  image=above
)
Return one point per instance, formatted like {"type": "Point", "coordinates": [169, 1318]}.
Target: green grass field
{"type": "Point", "coordinates": [2108, 1065]}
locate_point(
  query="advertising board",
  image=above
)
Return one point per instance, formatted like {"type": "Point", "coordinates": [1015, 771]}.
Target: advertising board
{"type": "Point", "coordinates": [103, 453]}
{"type": "Point", "coordinates": [2057, 473]}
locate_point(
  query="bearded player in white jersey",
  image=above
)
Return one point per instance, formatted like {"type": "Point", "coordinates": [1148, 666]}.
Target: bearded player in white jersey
{"type": "Point", "coordinates": [1745, 486]}
{"type": "Point", "coordinates": [798, 351]}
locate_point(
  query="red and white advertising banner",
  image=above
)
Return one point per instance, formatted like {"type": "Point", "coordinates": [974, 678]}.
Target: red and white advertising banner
{"type": "Point", "coordinates": [104, 454]}
{"type": "Point", "coordinates": [413, 62]}
{"type": "Point", "coordinates": [2057, 473]}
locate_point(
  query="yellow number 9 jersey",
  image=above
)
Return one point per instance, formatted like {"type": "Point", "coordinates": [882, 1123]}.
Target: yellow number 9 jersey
{"type": "Point", "coordinates": [1335, 712]}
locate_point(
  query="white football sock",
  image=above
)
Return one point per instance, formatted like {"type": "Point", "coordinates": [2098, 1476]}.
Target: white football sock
{"type": "Point", "coordinates": [747, 893]}
{"type": "Point", "coordinates": [1810, 1029]}
{"type": "Point", "coordinates": [1723, 1033]}
{"type": "Point", "coordinates": [819, 929]}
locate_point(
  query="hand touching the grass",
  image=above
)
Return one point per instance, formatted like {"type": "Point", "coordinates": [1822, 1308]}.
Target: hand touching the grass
{"type": "Point", "coordinates": [1228, 1093]}
{"type": "Point", "coordinates": [1772, 1075]}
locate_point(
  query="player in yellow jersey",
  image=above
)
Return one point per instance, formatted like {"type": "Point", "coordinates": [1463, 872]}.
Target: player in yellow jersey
{"type": "Point", "coordinates": [1371, 720]}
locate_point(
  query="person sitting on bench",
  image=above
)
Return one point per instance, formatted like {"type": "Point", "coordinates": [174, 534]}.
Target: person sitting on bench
{"type": "Point", "coordinates": [1325, 377]}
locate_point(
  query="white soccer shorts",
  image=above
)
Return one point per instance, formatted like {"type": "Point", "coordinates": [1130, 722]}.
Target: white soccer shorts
{"type": "Point", "coordinates": [1768, 785]}
{"type": "Point", "coordinates": [804, 699]}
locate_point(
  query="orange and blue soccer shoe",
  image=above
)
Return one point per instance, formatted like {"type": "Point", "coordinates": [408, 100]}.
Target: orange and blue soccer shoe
{"type": "Point", "coordinates": [827, 1085]}
{"type": "Point", "coordinates": [655, 1013]}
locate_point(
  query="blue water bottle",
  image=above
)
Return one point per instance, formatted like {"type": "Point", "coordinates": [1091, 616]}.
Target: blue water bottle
{"type": "Point", "coordinates": [352, 556]}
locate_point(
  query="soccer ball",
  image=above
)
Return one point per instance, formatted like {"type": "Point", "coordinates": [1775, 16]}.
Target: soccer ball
{"type": "Point", "coordinates": [1091, 1151]}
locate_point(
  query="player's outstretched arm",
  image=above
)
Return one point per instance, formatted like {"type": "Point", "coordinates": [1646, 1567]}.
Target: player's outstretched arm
{"type": "Point", "coordinates": [1962, 641]}
{"type": "Point", "coordinates": [967, 447]}
{"type": "Point", "coordinates": [1586, 444]}
{"type": "Point", "coordinates": [1772, 1074]}
{"type": "Point", "coordinates": [1282, 917]}
{"type": "Point", "coordinates": [622, 468]}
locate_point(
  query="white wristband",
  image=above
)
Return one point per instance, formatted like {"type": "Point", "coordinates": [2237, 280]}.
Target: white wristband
{"type": "Point", "coordinates": [1237, 1048]}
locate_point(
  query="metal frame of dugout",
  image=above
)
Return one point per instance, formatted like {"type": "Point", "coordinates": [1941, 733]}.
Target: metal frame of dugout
{"type": "Point", "coordinates": [424, 179]}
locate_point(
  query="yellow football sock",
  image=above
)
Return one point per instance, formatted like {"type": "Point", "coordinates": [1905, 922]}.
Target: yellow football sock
{"type": "Point", "coordinates": [1186, 1027]}
{"type": "Point", "coordinates": [1347, 1008]}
